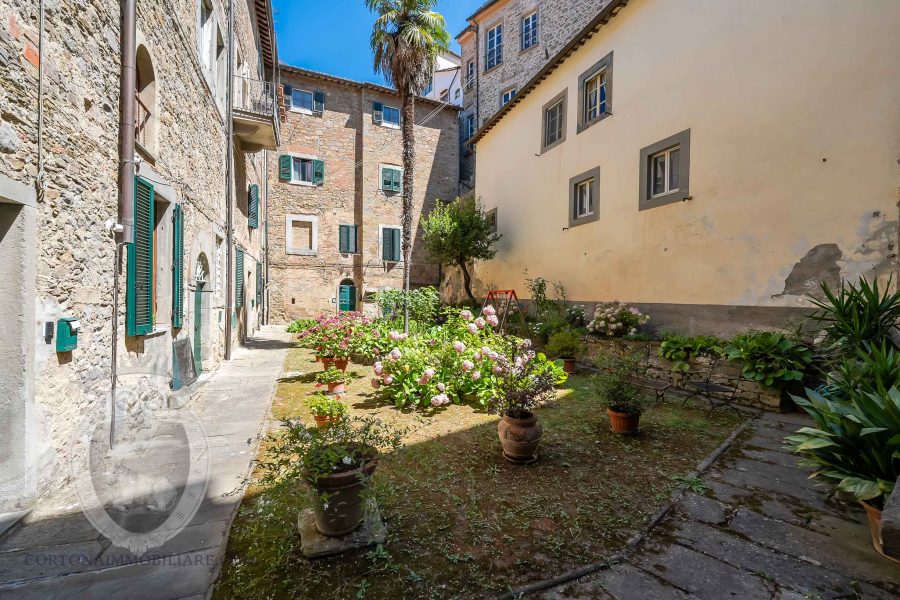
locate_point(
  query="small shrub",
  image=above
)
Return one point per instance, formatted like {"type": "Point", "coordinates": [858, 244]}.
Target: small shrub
{"type": "Point", "coordinates": [616, 319]}
{"type": "Point", "coordinates": [332, 375]}
{"type": "Point", "coordinates": [681, 349]}
{"type": "Point", "coordinates": [321, 405]}
{"type": "Point", "coordinates": [424, 304]}
{"type": "Point", "coordinates": [576, 316]}
{"type": "Point", "coordinates": [301, 325]}
{"type": "Point", "coordinates": [616, 387]}
{"type": "Point", "coordinates": [770, 358]}
{"type": "Point", "coordinates": [565, 343]}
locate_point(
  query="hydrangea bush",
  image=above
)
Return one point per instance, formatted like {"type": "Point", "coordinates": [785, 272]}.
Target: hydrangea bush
{"type": "Point", "coordinates": [616, 319]}
{"type": "Point", "coordinates": [333, 336]}
{"type": "Point", "coordinates": [457, 362]}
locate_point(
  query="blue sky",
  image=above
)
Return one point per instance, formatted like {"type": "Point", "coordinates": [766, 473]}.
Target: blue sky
{"type": "Point", "coordinates": [333, 36]}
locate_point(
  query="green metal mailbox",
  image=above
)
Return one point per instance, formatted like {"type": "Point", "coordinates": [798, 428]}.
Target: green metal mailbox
{"type": "Point", "coordinates": [67, 334]}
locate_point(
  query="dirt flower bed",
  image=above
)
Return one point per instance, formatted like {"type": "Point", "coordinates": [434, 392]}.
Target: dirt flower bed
{"type": "Point", "coordinates": [461, 522]}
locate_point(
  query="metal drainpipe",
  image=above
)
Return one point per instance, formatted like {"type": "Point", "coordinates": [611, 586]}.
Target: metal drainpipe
{"type": "Point", "coordinates": [229, 170]}
{"type": "Point", "coordinates": [127, 78]}
{"type": "Point", "coordinates": [265, 294]}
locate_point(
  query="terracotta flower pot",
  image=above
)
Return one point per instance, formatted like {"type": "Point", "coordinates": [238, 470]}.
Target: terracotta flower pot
{"type": "Point", "coordinates": [338, 387]}
{"type": "Point", "coordinates": [344, 508]}
{"type": "Point", "coordinates": [319, 358]}
{"type": "Point", "coordinates": [341, 364]}
{"type": "Point", "coordinates": [623, 422]}
{"type": "Point", "coordinates": [874, 516]}
{"type": "Point", "coordinates": [520, 437]}
{"type": "Point", "coordinates": [570, 365]}
{"type": "Point", "coordinates": [323, 421]}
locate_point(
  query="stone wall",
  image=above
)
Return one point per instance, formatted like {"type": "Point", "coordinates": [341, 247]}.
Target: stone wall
{"type": "Point", "coordinates": [354, 149]}
{"type": "Point", "coordinates": [75, 253]}
{"type": "Point", "coordinates": [749, 393]}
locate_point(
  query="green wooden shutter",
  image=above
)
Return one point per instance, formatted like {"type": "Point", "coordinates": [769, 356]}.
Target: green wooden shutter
{"type": "Point", "coordinates": [239, 278]}
{"type": "Point", "coordinates": [397, 181]}
{"type": "Point", "coordinates": [288, 96]}
{"type": "Point", "coordinates": [354, 239]}
{"type": "Point", "coordinates": [318, 172]}
{"type": "Point", "coordinates": [344, 239]}
{"type": "Point", "coordinates": [386, 179]}
{"type": "Point", "coordinates": [178, 267]}
{"type": "Point", "coordinates": [139, 287]}
{"type": "Point", "coordinates": [260, 284]}
{"type": "Point", "coordinates": [318, 102]}
{"type": "Point", "coordinates": [395, 233]}
{"type": "Point", "coordinates": [377, 112]}
{"type": "Point", "coordinates": [253, 207]}
{"type": "Point", "coordinates": [285, 167]}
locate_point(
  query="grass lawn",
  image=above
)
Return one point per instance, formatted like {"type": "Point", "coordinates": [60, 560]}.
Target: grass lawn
{"type": "Point", "coordinates": [461, 521]}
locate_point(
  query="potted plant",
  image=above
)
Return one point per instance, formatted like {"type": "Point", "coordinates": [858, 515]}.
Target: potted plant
{"type": "Point", "coordinates": [618, 391]}
{"type": "Point", "coordinates": [334, 378]}
{"type": "Point", "coordinates": [522, 381]}
{"type": "Point", "coordinates": [567, 345]}
{"type": "Point", "coordinates": [336, 464]}
{"type": "Point", "coordinates": [853, 444]}
{"type": "Point", "coordinates": [325, 410]}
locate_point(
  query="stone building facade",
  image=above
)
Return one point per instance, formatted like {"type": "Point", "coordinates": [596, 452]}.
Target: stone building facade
{"type": "Point", "coordinates": [531, 31]}
{"type": "Point", "coordinates": [58, 183]}
{"type": "Point", "coordinates": [330, 212]}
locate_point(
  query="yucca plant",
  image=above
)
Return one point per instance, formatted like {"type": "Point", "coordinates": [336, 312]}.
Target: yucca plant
{"type": "Point", "coordinates": [875, 369]}
{"type": "Point", "coordinates": [856, 314]}
{"type": "Point", "coordinates": [855, 444]}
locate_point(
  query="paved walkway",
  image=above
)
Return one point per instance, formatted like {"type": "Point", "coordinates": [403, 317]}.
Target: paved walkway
{"type": "Point", "coordinates": [57, 553]}
{"type": "Point", "coordinates": [761, 530]}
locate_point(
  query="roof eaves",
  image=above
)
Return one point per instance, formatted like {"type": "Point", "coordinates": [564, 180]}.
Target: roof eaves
{"type": "Point", "coordinates": [580, 38]}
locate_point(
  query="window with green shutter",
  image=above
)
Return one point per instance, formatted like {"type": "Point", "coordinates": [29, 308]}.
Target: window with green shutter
{"type": "Point", "coordinates": [139, 286]}
{"type": "Point", "coordinates": [239, 278]}
{"type": "Point", "coordinates": [391, 179]}
{"type": "Point", "coordinates": [390, 244]}
{"type": "Point", "coordinates": [377, 112]}
{"type": "Point", "coordinates": [347, 239]}
{"type": "Point", "coordinates": [285, 167]}
{"type": "Point", "coordinates": [253, 206]}
{"type": "Point", "coordinates": [318, 172]}
{"type": "Point", "coordinates": [260, 284]}
{"type": "Point", "coordinates": [178, 267]}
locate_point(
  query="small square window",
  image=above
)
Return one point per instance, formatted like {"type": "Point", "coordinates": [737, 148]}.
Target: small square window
{"type": "Point", "coordinates": [529, 31]}
{"type": "Point", "coordinates": [302, 100]}
{"type": "Point", "coordinates": [491, 216]}
{"type": "Point", "coordinates": [303, 170]}
{"type": "Point", "coordinates": [469, 126]}
{"type": "Point", "coordinates": [391, 244]}
{"type": "Point", "coordinates": [392, 179]}
{"type": "Point", "coordinates": [665, 171]}
{"type": "Point", "coordinates": [301, 235]}
{"type": "Point", "coordinates": [584, 193]}
{"type": "Point", "coordinates": [506, 96]}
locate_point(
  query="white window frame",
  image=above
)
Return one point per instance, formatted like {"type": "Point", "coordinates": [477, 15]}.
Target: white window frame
{"type": "Point", "coordinates": [206, 34]}
{"type": "Point", "coordinates": [385, 122]}
{"type": "Point", "coordinates": [298, 109]}
{"type": "Point", "coordinates": [289, 247]}
{"type": "Point", "coordinates": [587, 184]}
{"type": "Point", "coordinates": [507, 96]}
{"type": "Point", "coordinates": [535, 28]}
{"type": "Point", "coordinates": [497, 31]}
{"type": "Point", "coordinates": [294, 159]}
{"type": "Point", "coordinates": [381, 168]}
{"type": "Point", "coordinates": [668, 169]}
{"type": "Point", "coordinates": [560, 122]}
{"type": "Point", "coordinates": [470, 75]}
{"type": "Point", "coordinates": [381, 228]}
{"type": "Point", "coordinates": [590, 114]}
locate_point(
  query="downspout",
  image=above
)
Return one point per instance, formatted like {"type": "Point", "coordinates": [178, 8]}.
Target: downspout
{"type": "Point", "coordinates": [229, 170]}
{"type": "Point", "coordinates": [39, 183]}
{"type": "Point", "coordinates": [265, 294]}
{"type": "Point", "coordinates": [124, 229]}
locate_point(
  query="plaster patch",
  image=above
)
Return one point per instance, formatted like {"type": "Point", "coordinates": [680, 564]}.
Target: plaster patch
{"type": "Point", "coordinates": [820, 265]}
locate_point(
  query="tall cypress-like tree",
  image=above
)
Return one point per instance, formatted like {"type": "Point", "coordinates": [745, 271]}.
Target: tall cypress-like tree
{"type": "Point", "coordinates": [406, 39]}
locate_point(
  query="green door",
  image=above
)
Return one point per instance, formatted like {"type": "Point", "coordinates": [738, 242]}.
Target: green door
{"type": "Point", "coordinates": [347, 296]}
{"type": "Point", "coordinates": [198, 328]}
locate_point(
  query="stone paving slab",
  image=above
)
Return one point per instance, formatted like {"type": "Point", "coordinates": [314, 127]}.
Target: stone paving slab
{"type": "Point", "coordinates": [57, 553]}
{"type": "Point", "coordinates": [761, 529]}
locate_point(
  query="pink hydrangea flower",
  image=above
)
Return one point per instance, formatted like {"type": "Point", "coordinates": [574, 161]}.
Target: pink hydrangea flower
{"type": "Point", "coordinates": [376, 333]}
{"type": "Point", "coordinates": [477, 356]}
{"type": "Point", "coordinates": [466, 315]}
{"type": "Point", "coordinates": [486, 351]}
{"type": "Point", "coordinates": [472, 328]}
{"type": "Point", "coordinates": [480, 322]}
{"type": "Point", "coordinates": [459, 347]}
{"type": "Point", "coordinates": [497, 369]}
{"type": "Point", "coordinates": [526, 343]}
{"type": "Point", "coordinates": [376, 383]}
{"type": "Point", "coordinates": [493, 321]}
{"type": "Point", "coordinates": [423, 380]}
{"type": "Point", "coordinates": [440, 400]}
{"type": "Point", "coordinates": [476, 375]}
{"type": "Point", "coordinates": [429, 372]}
{"type": "Point", "coordinates": [388, 379]}
{"type": "Point", "coordinates": [379, 368]}
{"type": "Point", "coordinates": [396, 354]}
{"type": "Point", "coordinates": [441, 387]}
{"type": "Point", "coordinates": [467, 365]}
{"type": "Point", "coordinates": [488, 311]}
{"type": "Point", "coordinates": [396, 336]}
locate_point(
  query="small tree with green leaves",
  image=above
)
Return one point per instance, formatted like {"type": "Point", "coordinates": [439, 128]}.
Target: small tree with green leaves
{"type": "Point", "coordinates": [459, 233]}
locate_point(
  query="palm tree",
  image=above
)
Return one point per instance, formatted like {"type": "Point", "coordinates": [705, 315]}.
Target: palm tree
{"type": "Point", "coordinates": [406, 39]}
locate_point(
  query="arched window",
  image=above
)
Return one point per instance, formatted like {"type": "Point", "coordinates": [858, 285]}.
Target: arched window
{"type": "Point", "coordinates": [146, 113]}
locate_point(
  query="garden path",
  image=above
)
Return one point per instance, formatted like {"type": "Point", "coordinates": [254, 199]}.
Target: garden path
{"type": "Point", "coordinates": [57, 553]}
{"type": "Point", "coordinates": [759, 530]}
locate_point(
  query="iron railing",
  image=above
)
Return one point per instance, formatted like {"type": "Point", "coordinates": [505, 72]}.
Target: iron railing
{"type": "Point", "coordinates": [256, 97]}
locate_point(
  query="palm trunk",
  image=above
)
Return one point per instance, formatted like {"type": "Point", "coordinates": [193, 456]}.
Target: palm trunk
{"type": "Point", "coordinates": [409, 160]}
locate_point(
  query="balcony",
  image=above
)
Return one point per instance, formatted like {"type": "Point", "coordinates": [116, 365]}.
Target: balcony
{"type": "Point", "coordinates": [255, 114]}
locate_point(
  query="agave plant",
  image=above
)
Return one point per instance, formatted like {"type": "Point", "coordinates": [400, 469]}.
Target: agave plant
{"type": "Point", "coordinates": [855, 444]}
{"type": "Point", "coordinates": [856, 314]}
